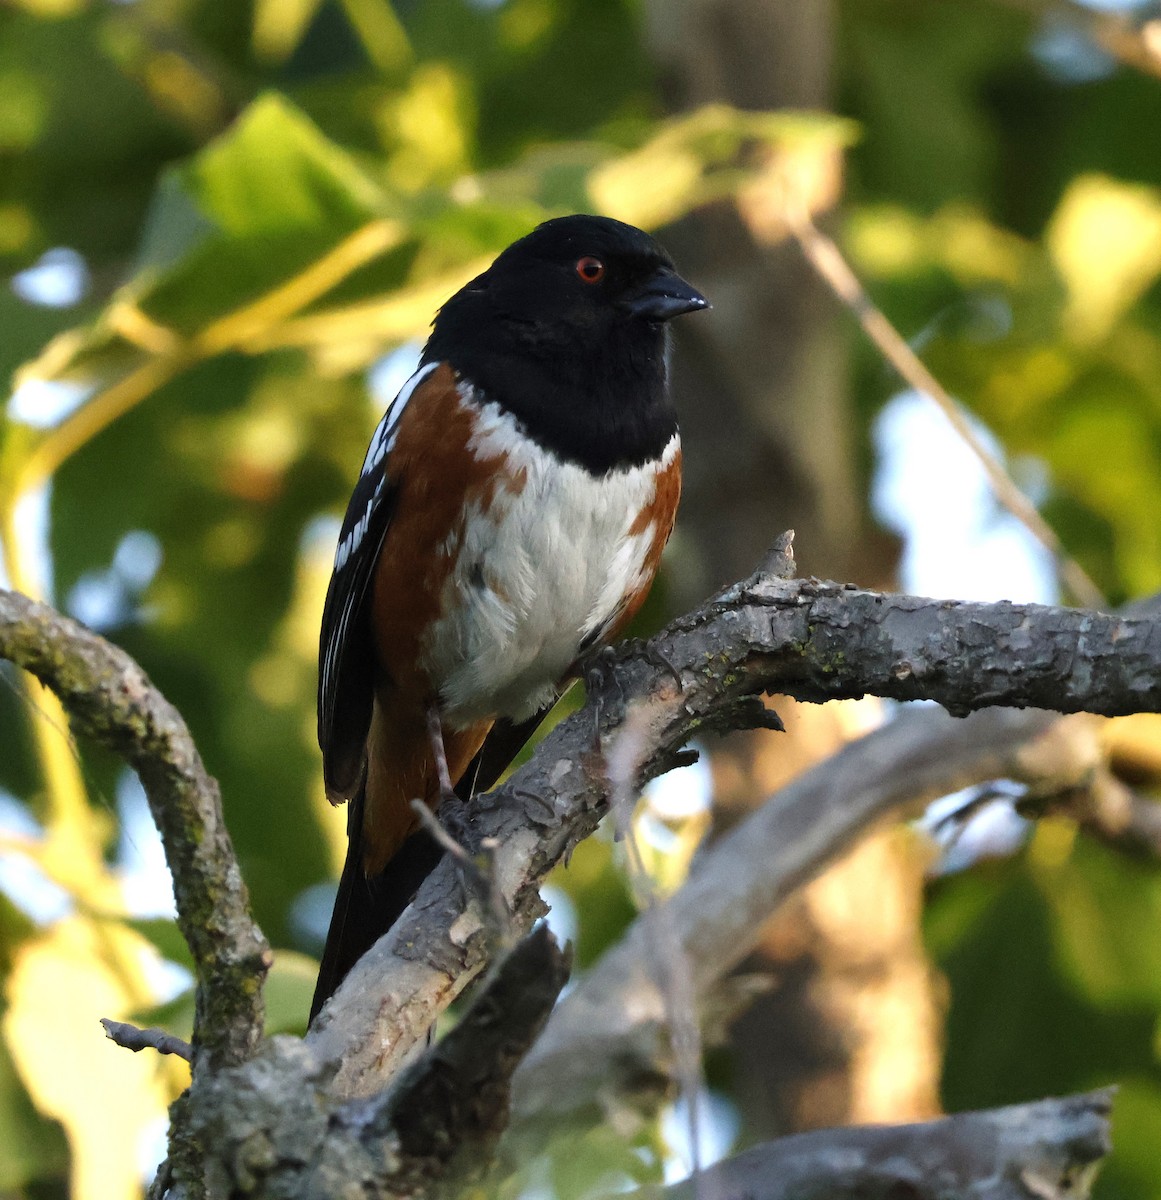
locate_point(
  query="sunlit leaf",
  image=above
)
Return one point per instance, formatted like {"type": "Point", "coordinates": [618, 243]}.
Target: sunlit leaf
{"type": "Point", "coordinates": [105, 1097]}
{"type": "Point", "coordinates": [279, 26]}
{"type": "Point", "coordinates": [1105, 239]}
{"type": "Point", "coordinates": [32, 1149]}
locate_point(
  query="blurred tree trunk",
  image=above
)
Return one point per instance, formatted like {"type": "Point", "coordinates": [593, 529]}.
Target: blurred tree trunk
{"type": "Point", "coordinates": [851, 1031]}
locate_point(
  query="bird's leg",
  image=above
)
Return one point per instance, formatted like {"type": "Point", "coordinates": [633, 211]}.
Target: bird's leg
{"type": "Point", "coordinates": [452, 812]}
{"type": "Point", "coordinates": [450, 830]}
{"type": "Point", "coordinates": [435, 737]}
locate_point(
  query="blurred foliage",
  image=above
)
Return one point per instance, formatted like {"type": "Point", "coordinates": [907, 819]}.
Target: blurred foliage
{"type": "Point", "coordinates": [267, 199]}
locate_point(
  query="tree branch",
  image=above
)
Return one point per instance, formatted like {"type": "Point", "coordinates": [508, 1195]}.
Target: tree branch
{"type": "Point", "coordinates": [808, 639]}
{"type": "Point", "coordinates": [271, 1127]}
{"type": "Point", "coordinates": [452, 1106]}
{"type": "Point", "coordinates": [135, 1039]}
{"type": "Point", "coordinates": [112, 701]}
{"type": "Point", "coordinates": [1046, 1150]}
{"type": "Point", "coordinates": [609, 1036]}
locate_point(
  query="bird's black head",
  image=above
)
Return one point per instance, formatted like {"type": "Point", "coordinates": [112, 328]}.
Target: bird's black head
{"type": "Point", "coordinates": [567, 330]}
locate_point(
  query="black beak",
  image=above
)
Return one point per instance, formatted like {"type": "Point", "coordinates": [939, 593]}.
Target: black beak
{"type": "Point", "coordinates": [664, 295]}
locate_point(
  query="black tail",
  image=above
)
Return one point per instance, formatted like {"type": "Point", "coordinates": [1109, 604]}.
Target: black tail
{"type": "Point", "coordinates": [366, 907]}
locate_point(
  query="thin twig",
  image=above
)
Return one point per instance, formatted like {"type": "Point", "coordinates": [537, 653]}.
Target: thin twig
{"type": "Point", "coordinates": [827, 259]}
{"type": "Point", "coordinates": [135, 1039]}
{"type": "Point", "coordinates": [671, 970]}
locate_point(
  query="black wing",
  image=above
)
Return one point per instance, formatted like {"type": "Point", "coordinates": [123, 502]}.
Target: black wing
{"type": "Point", "coordinates": [346, 657]}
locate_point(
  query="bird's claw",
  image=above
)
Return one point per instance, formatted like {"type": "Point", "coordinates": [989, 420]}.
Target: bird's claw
{"type": "Point", "coordinates": [599, 675]}
{"type": "Point", "coordinates": [650, 653]}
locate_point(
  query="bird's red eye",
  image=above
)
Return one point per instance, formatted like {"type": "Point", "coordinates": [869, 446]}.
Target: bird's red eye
{"type": "Point", "coordinates": [590, 269]}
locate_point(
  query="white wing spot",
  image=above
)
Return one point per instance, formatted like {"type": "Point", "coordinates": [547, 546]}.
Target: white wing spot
{"type": "Point", "coordinates": [358, 532]}
{"type": "Point", "coordinates": [384, 436]}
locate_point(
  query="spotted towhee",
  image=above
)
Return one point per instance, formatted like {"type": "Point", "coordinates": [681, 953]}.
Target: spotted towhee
{"type": "Point", "coordinates": [509, 519]}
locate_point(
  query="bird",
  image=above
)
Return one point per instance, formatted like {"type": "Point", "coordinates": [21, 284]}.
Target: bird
{"type": "Point", "coordinates": [507, 523]}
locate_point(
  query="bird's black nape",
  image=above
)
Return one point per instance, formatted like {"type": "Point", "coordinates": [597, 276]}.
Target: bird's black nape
{"type": "Point", "coordinates": [567, 331]}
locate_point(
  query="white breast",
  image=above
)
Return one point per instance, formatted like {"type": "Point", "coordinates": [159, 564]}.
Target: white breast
{"type": "Point", "coordinates": [541, 570]}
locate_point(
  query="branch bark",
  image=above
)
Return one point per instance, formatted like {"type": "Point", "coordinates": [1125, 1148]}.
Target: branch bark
{"type": "Point", "coordinates": [131, 1037]}
{"type": "Point", "coordinates": [272, 1128]}
{"type": "Point", "coordinates": [609, 1036]}
{"type": "Point", "coordinates": [809, 639]}
{"type": "Point", "coordinates": [308, 1118]}
{"type": "Point", "coordinates": [1046, 1150]}
{"type": "Point", "coordinates": [112, 701]}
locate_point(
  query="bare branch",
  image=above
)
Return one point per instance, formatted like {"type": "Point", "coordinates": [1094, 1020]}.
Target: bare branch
{"type": "Point", "coordinates": [112, 701]}
{"type": "Point", "coordinates": [608, 1036]}
{"type": "Point", "coordinates": [616, 1014]}
{"type": "Point", "coordinates": [293, 1112]}
{"type": "Point", "coordinates": [451, 1107]}
{"type": "Point", "coordinates": [271, 1127]}
{"type": "Point", "coordinates": [1047, 1150]}
{"type": "Point", "coordinates": [820, 641]}
{"type": "Point", "coordinates": [808, 639]}
{"type": "Point", "coordinates": [135, 1039]}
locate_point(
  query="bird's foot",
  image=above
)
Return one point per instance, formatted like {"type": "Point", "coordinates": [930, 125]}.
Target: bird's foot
{"type": "Point", "coordinates": [599, 674]}
{"type": "Point", "coordinates": [599, 671]}
{"type": "Point", "coordinates": [648, 652]}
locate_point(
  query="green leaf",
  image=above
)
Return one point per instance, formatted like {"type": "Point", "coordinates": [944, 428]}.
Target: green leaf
{"type": "Point", "coordinates": [275, 170]}
{"type": "Point", "coordinates": [32, 1149]}
{"type": "Point", "coordinates": [163, 934]}
{"type": "Point", "coordinates": [1017, 1028]}
{"type": "Point", "coordinates": [289, 990]}
{"type": "Point", "coordinates": [1131, 1171]}
{"type": "Point", "coordinates": [1104, 907]}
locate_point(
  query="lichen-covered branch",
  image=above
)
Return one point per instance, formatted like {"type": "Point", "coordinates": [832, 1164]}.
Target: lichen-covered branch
{"type": "Point", "coordinates": [1048, 1150]}
{"type": "Point", "coordinates": [272, 1128]}
{"type": "Point", "coordinates": [110, 699]}
{"type": "Point", "coordinates": [808, 639]}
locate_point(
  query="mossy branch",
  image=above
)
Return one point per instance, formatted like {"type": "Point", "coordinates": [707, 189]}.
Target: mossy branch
{"type": "Point", "coordinates": [110, 700]}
